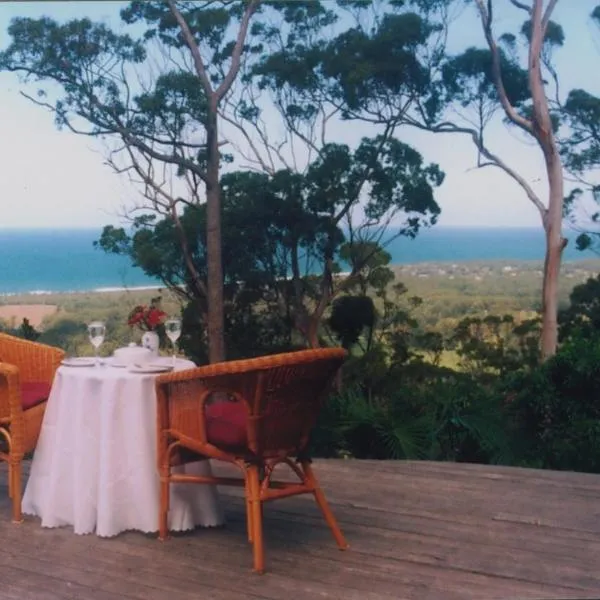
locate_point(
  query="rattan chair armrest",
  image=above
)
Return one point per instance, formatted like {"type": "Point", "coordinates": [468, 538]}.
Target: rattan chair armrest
{"type": "Point", "coordinates": [181, 400]}
{"type": "Point", "coordinates": [10, 390]}
{"type": "Point", "coordinates": [9, 370]}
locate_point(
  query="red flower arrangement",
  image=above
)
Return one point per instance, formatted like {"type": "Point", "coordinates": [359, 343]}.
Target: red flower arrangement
{"type": "Point", "coordinates": [147, 318]}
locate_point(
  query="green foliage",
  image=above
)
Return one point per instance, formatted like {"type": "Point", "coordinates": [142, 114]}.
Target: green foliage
{"type": "Point", "coordinates": [581, 148]}
{"type": "Point", "coordinates": [27, 331]}
{"type": "Point", "coordinates": [502, 406]}
{"type": "Point", "coordinates": [351, 424]}
{"type": "Point", "coordinates": [384, 63]}
{"type": "Point", "coordinates": [580, 151]}
{"type": "Point", "coordinates": [468, 423]}
{"type": "Point", "coordinates": [67, 333]}
{"type": "Point", "coordinates": [72, 55]}
{"type": "Point", "coordinates": [555, 35]}
{"type": "Point", "coordinates": [298, 213]}
{"type": "Point", "coordinates": [352, 59]}
{"type": "Point", "coordinates": [556, 409]}
{"type": "Point", "coordinates": [468, 79]}
{"type": "Point", "coordinates": [497, 344]}
{"type": "Point", "coordinates": [350, 315]}
{"type": "Point", "coordinates": [369, 262]}
{"type": "Point", "coordinates": [582, 317]}
{"type": "Point", "coordinates": [397, 400]}
{"type": "Point", "coordinates": [425, 412]}
{"type": "Point", "coordinates": [279, 232]}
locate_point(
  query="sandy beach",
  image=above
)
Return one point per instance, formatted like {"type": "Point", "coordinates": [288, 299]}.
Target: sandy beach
{"type": "Point", "coordinates": [13, 314]}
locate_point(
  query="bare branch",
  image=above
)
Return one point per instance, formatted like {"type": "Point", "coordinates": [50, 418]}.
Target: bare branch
{"type": "Point", "coordinates": [267, 168]}
{"type": "Point", "coordinates": [543, 123]}
{"type": "Point", "coordinates": [188, 37]}
{"type": "Point", "coordinates": [170, 204]}
{"type": "Point", "coordinates": [521, 5]}
{"type": "Point", "coordinates": [385, 136]}
{"type": "Point", "coordinates": [200, 68]}
{"type": "Point", "coordinates": [546, 18]}
{"type": "Point", "coordinates": [495, 160]}
{"type": "Point", "coordinates": [486, 20]}
{"type": "Point", "coordinates": [237, 50]}
{"type": "Point", "coordinates": [64, 120]}
{"type": "Point", "coordinates": [111, 124]}
{"type": "Point", "coordinates": [129, 138]}
{"type": "Point", "coordinates": [550, 67]}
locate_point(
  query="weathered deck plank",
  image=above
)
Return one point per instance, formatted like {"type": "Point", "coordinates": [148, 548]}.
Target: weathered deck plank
{"type": "Point", "coordinates": [417, 531]}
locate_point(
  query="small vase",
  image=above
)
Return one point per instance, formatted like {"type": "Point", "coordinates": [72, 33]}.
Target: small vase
{"type": "Point", "coordinates": [151, 341]}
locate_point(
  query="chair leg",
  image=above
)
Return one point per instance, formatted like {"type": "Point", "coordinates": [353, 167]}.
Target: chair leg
{"type": "Point", "coordinates": [14, 484]}
{"type": "Point", "coordinates": [324, 506]}
{"type": "Point", "coordinates": [247, 495]}
{"type": "Point", "coordinates": [163, 514]}
{"type": "Point", "coordinates": [10, 481]}
{"type": "Point", "coordinates": [257, 525]}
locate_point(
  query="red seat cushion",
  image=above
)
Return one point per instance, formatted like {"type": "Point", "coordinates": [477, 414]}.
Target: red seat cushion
{"type": "Point", "coordinates": [226, 424]}
{"type": "Point", "coordinates": [34, 393]}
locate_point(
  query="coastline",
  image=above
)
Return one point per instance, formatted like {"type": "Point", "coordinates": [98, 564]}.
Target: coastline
{"type": "Point", "coordinates": [99, 290]}
{"type": "Point", "coordinates": [43, 263]}
{"type": "Point", "coordinates": [587, 264]}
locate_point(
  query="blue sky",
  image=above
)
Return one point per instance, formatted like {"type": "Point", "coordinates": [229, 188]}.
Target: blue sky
{"type": "Point", "coordinates": [57, 179]}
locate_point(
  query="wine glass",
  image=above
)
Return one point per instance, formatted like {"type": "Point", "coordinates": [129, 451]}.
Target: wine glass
{"type": "Point", "coordinates": [96, 331]}
{"type": "Point", "coordinates": [173, 331]}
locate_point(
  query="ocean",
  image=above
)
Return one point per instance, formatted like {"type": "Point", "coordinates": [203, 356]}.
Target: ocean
{"type": "Point", "coordinates": [45, 261]}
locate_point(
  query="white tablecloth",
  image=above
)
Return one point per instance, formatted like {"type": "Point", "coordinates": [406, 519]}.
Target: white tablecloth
{"type": "Point", "coordinates": [95, 463]}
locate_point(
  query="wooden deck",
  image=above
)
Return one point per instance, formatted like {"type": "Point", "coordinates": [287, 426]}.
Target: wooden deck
{"type": "Point", "coordinates": [417, 530]}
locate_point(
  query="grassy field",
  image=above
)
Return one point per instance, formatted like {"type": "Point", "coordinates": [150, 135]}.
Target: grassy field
{"type": "Point", "coordinates": [453, 291]}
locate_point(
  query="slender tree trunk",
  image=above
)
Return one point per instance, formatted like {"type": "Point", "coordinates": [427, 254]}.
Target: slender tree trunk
{"type": "Point", "coordinates": [543, 132]}
{"type": "Point", "coordinates": [540, 127]}
{"type": "Point", "coordinates": [314, 320]}
{"type": "Point", "coordinates": [555, 244]}
{"type": "Point", "coordinates": [216, 320]}
{"type": "Point", "coordinates": [312, 335]}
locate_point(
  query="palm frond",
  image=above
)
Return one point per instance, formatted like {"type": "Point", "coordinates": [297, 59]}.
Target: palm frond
{"type": "Point", "coordinates": [408, 439]}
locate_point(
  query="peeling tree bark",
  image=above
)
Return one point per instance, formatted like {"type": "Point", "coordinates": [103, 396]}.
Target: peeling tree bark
{"type": "Point", "coordinates": [540, 127]}
{"type": "Point", "coordinates": [555, 243]}
{"type": "Point", "coordinates": [554, 215]}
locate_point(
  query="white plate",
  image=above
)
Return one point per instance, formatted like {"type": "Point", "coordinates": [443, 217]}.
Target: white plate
{"type": "Point", "coordinates": [150, 368]}
{"type": "Point", "coordinates": [116, 363]}
{"type": "Point", "coordinates": [78, 361]}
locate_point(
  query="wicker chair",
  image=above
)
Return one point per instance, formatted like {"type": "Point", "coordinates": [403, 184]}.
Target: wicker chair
{"type": "Point", "coordinates": [26, 374]}
{"type": "Point", "coordinates": [255, 414]}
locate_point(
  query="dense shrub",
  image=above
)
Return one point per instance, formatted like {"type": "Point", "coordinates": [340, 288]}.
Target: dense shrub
{"type": "Point", "coordinates": [582, 317]}
{"type": "Point", "coordinates": [556, 409]}
{"type": "Point", "coordinates": [415, 410]}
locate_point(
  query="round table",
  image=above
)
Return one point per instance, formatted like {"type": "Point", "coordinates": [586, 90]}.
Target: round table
{"type": "Point", "coordinates": [94, 467]}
